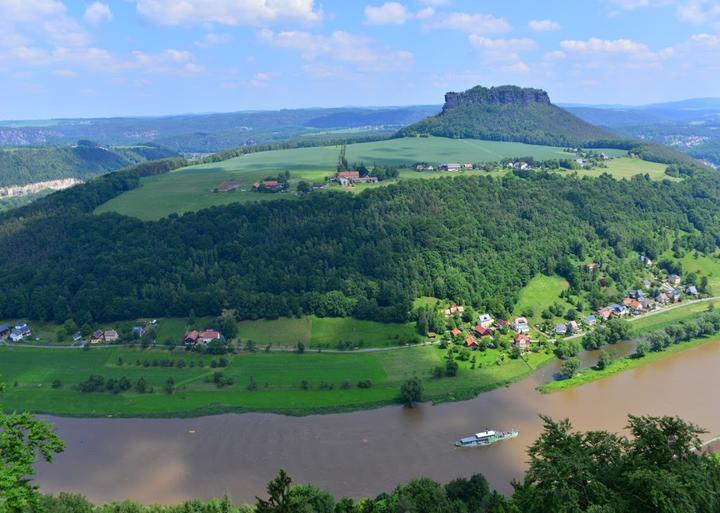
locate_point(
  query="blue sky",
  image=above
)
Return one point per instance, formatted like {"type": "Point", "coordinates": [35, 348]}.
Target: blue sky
{"type": "Point", "coordinates": [73, 58]}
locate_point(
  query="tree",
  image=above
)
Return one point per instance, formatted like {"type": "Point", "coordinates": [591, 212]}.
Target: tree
{"type": "Point", "coordinates": [603, 360]}
{"type": "Point", "coordinates": [569, 367]}
{"type": "Point", "coordinates": [278, 491]}
{"type": "Point", "coordinates": [169, 386]}
{"type": "Point", "coordinates": [22, 439]}
{"type": "Point", "coordinates": [411, 391]}
{"type": "Point", "coordinates": [141, 386]}
{"type": "Point", "coordinates": [451, 367]}
{"type": "Point", "coordinates": [300, 348]}
{"type": "Point", "coordinates": [303, 186]}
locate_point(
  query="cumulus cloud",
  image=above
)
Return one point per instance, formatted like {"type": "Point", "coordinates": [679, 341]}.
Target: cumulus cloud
{"type": "Point", "coordinates": [504, 52]}
{"type": "Point", "coordinates": [698, 11]}
{"type": "Point", "coordinates": [389, 13]}
{"type": "Point", "coordinates": [339, 46]}
{"type": "Point", "coordinates": [543, 25]}
{"type": "Point", "coordinates": [626, 47]}
{"type": "Point", "coordinates": [471, 23]}
{"type": "Point", "coordinates": [212, 39]}
{"type": "Point", "coordinates": [97, 12]}
{"type": "Point", "coordinates": [227, 12]}
{"type": "Point", "coordinates": [27, 11]}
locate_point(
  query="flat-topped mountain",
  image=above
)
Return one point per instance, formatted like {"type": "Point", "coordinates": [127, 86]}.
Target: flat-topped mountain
{"type": "Point", "coordinates": [507, 113]}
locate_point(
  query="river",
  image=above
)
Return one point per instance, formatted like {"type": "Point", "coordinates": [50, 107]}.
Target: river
{"type": "Point", "coordinates": [363, 453]}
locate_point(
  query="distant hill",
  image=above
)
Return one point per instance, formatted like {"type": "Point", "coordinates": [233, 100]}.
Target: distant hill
{"type": "Point", "coordinates": [508, 113]}
{"type": "Point", "coordinates": [19, 166]}
{"type": "Point", "coordinates": [208, 133]}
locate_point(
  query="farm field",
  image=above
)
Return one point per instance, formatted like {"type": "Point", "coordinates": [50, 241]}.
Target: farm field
{"type": "Point", "coordinates": [628, 167]}
{"type": "Point", "coordinates": [326, 332]}
{"type": "Point", "coordinates": [331, 380]}
{"type": "Point", "coordinates": [190, 189]}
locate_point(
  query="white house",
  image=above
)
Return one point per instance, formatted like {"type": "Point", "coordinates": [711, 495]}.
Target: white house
{"type": "Point", "coordinates": [485, 320]}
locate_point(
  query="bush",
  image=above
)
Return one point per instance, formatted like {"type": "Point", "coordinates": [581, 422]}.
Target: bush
{"type": "Point", "coordinates": [365, 383]}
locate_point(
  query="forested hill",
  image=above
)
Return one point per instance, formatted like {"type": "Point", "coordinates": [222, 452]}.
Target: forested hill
{"type": "Point", "coordinates": [19, 166]}
{"type": "Point", "coordinates": [508, 113]}
{"type": "Point", "coordinates": [476, 240]}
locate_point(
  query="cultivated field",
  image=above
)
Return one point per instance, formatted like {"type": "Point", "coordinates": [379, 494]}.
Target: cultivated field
{"type": "Point", "coordinates": [191, 189]}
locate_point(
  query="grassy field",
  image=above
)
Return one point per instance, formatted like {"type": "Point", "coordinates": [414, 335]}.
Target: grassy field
{"type": "Point", "coordinates": [627, 168]}
{"type": "Point", "coordinates": [29, 374]}
{"type": "Point", "coordinates": [190, 189]}
{"type": "Point", "coordinates": [589, 375]}
{"type": "Point", "coordinates": [325, 332]}
{"type": "Point", "coordinates": [541, 292]}
{"type": "Point", "coordinates": [673, 316]}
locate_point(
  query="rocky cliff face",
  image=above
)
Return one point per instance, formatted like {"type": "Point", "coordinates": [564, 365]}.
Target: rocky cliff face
{"type": "Point", "coordinates": [504, 95]}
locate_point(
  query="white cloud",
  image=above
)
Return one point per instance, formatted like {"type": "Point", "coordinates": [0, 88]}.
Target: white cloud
{"type": "Point", "coordinates": [504, 52]}
{"type": "Point", "coordinates": [434, 3]}
{"type": "Point", "coordinates": [97, 12]}
{"type": "Point", "coordinates": [471, 23]}
{"type": "Point", "coordinates": [213, 39]}
{"type": "Point", "coordinates": [64, 73]}
{"type": "Point", "coordinates": [340, 46]}
{"type": "Point", "coordinates": [425, 13]}
{"type": "Point", "coordinates": [544, 25]}
{"type": "Point", "coordinates": [707, 40]}
{"type": "Point", "coordinates": [631, 5]}
{"type": "Point", "coordinates": [388, 13]}
{"type": "Point", "coordinates": [66, 31]}
{"type": "Point", "coordinates": [227, 12]}
{"type": "Point", "coordinates": [27, 11]}
{"type": "Point", "coordinates": [698, 11]}
{"type": "Point", "coordinates": [624, 47]}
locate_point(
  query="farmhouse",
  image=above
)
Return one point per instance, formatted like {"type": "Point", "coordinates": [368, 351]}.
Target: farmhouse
{"type": "Point", "coordinates": [521, 341]}
{"type": "Point", "coordinates": [111, 336]}
{"type": "Point", "coordinates": [561, 329]}
{"type": "Point", "coordinates": [450, 167]}
{"type": "Point", "coordinates": [346, 178]}
{"type": "Point", "coordinates": [467, 165]}
{"type": "Point", "coordinates": [482, 331]}
{"type": "Point", "coordinates": [19, 332]}
{"type": "Point", "coordinates": [471, 342]}
{"type": "Point", "coordinates": [96, 337]}
{"type": "Point", "coordinates": [268, 186]}
{"type": "Point", "coordinates": [208, 336]}
{"type": "Point", "coordinates": [455, 332]}
{"type": "Point", "coordinates": [423, 166]}
{"type": "Point", "coordinates": [191, 337]}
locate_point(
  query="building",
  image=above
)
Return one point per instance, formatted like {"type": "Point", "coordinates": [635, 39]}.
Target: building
{"type": "Point", "coordinates": [111, 336]}
{"type": "Point", "coordinates": [96, 337]}
{"type": "Point", "coordinates": [520, 325]}
{"type": "Point", "coordinates": [208, 336]}
{"type": "Point", "coordinates": [482, 331]}
{"type": "Point", "coordinates": [662, 298]}
{"type": "Point", "coordinates": [268, 185]}
{"type": "Point", "coordinates": [693, 291]}
{"type": "Point", "coordinates": [77, 336]}
{"type": "Point", "coordinates": [19, 332]}
{"type": "Point", "coordinates": [560, 329]}
{"type": "Point", "coordinates": [467, 165]}
{"type": "Point", "coordinates": [485, 320]}
{"type": "Point", "coordinates": [674, 280]}
{"type": "Point", "coordinates": [346, 178]}
{"type": "Point", "coordinates": [522, 341]}
{"type": "Point", "coordinates": [450, 167]}
{"type": "Point", "coordinates": [191, 337]}
{"type": "Point", "coordinates": [4, 330]}
{"type": "Point", "coordinates": [591, 320]}
{"type": "Point", "coordinates": [455, 332]}
{"type": "Point", "coordinates": [471, 342]}
{"type": "Point", "coordinates": [138, 331]}
{"type": "Point", "coordinates": [573, 327]}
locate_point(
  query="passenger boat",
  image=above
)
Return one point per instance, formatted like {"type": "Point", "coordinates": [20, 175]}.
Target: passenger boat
{"type": "Point", "coordinates": [487, 437]}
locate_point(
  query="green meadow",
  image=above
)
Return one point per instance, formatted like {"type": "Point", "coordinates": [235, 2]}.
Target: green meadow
{"type": "Point", "coordinates": [287, 383]}
{"type": "Point", "coordinates": [540, 293]}
{"type": "Point", "coordinates": [326, 332]}
{"type": "Point", "coordinates": [191, 188]}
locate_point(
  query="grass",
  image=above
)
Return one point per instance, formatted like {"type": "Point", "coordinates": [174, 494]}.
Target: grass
{"type": "Point", "coordinates": [673, 316]}
{"type": "Point", "coordinates": [190, 189]}
{"type": "Point", "coordinates": [30, 372]}
{"type": "Point", "coordinates": [704, 265]}
{"type": "Point", "coordinates": [590, 374]}
{"type": "Point", "coordinates": [325, 332]}
{"type": "Point", "coordinates": [628, 167]}
{"type": "Point", "coordinates": [541, 292]}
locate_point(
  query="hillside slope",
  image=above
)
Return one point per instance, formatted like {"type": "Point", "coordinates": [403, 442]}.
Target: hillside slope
{"type": "Point", "coordinates": [19, 166]}
{"type": "Point", "coordinates": [508, 113]}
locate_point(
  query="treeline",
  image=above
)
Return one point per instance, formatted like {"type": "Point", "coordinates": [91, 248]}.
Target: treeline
{"type": "Point", "coordinates": [705, 325]}
{"type": "Point", "coordinates": [658, 469]}
{"type": "Point", "coordinates": [475, 240]}
{"type": "Point", "coordinates": [19, 166]}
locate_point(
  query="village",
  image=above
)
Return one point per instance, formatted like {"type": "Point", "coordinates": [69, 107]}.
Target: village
{"type": "Point", "coordinates": [518, 335]}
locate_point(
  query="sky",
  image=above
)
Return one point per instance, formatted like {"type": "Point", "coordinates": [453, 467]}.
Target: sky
{"type": "Point", "coordinates": [86, 58]}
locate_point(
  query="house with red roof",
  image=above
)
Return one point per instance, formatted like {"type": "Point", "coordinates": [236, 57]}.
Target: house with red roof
{"type": "Point", "coordinates": [471, 342]}
{"type": "Point", "coordinates": [522, 341]}
{"type": "Point", "coordinates": [481, 331]}
{"type": "Point", "coordinates": [191, 337]}
{"type": "Point", "coordinates": [455, 332]}
{"type": "Point", "coordinates": [208, 336]}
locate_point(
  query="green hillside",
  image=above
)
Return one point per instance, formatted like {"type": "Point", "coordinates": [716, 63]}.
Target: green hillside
{"type": "Point", "coordinates": [191, 189]}
{"type": "Point", "coordinates": [19, 166]}
{"type": "Point", "coordinates": [507, 113]}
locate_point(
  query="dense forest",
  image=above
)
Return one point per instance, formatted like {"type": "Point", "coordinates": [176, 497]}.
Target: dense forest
{"type": "Point", "coordinates": [476, 240]}
{"type": "Point", "coordinates": [19, 166]}
{"type": "Point", "coordinates": [657, 469]}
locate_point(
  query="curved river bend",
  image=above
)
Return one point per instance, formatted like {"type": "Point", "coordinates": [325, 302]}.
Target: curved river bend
{"type": "Point", "coordinates": [363, 453]}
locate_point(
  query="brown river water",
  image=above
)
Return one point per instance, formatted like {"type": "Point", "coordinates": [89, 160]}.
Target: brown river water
{"type": "Point", "coordinates": [364, 453]}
